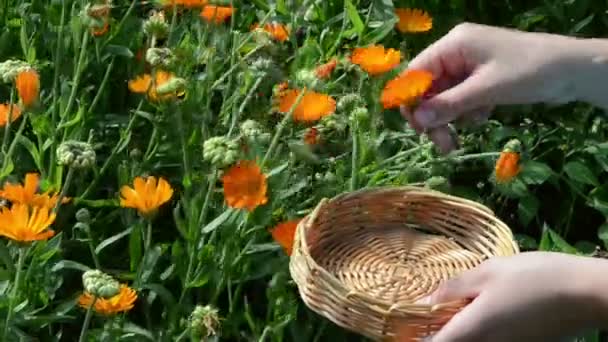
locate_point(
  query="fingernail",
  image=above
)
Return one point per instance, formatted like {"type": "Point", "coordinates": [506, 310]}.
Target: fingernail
{"type": "Point", "coordinates": [443, 138]}
{"type": "Point", "coordinates": [425, 117]}
{"type": "Point", "coordinates": [407, 114]}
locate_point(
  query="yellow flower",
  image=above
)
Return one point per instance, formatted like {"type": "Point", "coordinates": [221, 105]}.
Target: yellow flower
{"type": "Point", "coordinates": [507, 166]}
{"type": "Point", "coordinates": [413, 20]}
{"type": "Point", "coordinates": [216, 14]}
{"type": "Point", "coordinates": [146, 195]}
{"type": "Point", "coordinates": [122, 302]}
{"type": "Point", "coordinates": [28, 86]}
{"type": "Point", "coordinates": [312, 107]}
{"type": "Point", "coordinates": [324, 70]}
{"type": "Point", "coordinates": [406, 88]}
{"type": "Point", "coordinates": [26, 193]}
{"type": "Point", "coordinates": [284, 234]}
{"type": "Point", "coordinates": [4, 111]}
{"type": "Point", "coordinates": [375, 59]}
{"type": "Point", "coordinates": [245, 186]}
{"type": "Point", "coordinates": [23, 223]}
{"type": "Point", "coordinates": [142, 84]}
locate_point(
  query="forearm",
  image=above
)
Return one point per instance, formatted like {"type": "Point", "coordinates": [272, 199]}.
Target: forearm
{"type": "Point", "coordinates": [587, 68]}
{"type": "Point", "coordinates": [591, 289]}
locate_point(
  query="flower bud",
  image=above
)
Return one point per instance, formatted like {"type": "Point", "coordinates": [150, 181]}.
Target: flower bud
{"type": "Point", "coordinates": [254, 132]}
{"type": "Point", "coordinates": [174, 85]}
{"type": "Point", "coordinates": [156, 25]}
{"type": "Point", "coordinates": [76, 154]}
{"type": "Point", "coordinates": [333, 123]}
{"type": "Point", "coordinates": [100, 284]}
{"type": "Point", "coordinates": [94, 16]}
{"type": "Point", "coordinates": [83, 215]}
{"type": "Point", "coordinates": [261, 37]}
{"type": "Point", "coordinates": [349, 102]}
{"type": "Point", "coordinates": [160, 57]}
{"type": "Point", "coordinates": [307, 78]}
{"type": "Point", "coordinates": [360, 115]}
{"type": "Point", "coordinates": [204, 322]}
{"type": "Point", "coordinates": [9, 69]}
{"type": "Point", "coordinates": [512, 145]}
{"type": "Point", "coordinates": [435, 182]}
{"type": "Point", "coordinates": [220, 151]}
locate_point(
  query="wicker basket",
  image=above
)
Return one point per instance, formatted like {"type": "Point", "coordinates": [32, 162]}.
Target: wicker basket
{"type": "Point", "coordinates": [362, 259]}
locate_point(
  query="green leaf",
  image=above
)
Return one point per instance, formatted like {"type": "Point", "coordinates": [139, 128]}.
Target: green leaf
{"type": "Point", "coordinates": [32, 149]}
{"type": "Point", "coordinates": [602, 232]}
{"type": "Point", "coordinates": [119, 50]}
{"type": "Point", "coordinates": [582, 24]}
{"type": "Point", "coordinates": [526, 242]}
{"type": "Point", "coordinates": [131, 331]}
{"type": "Point", "coordinates": [581, 173]}
{"type": "Point", "coordinates": [354, 17]}
{"type": "Point", "coordinates": [545, 240]}
{"type": "Point", "coordinates": [149, 262]}
{"type": "Point", "coordinates": [561, 243]}
{"type": "Point", "coordinates": [5, 256]}
{"type": "Point", "coordinates": [107, 242]}
{"type": "Point", "coordinates": [69, 264]}
{"type": "Point", "coordinates": [162, 292]}
{"type": "Point", "coordinates": [218, 221]}
{"type": "Point", "coordinates": [527, 209]}
{"type": "Point", "coordinates": [598, 199]}
{"type": "Point", "coordinates": [534, 172]}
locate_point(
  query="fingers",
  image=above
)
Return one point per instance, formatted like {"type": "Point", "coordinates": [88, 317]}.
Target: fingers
{"type": "Point", "coordinates": [465, 326]}
{"type": "Point", "coordinates": [473, 93]}
{"type": "Point", "coordinates": [466, 286]}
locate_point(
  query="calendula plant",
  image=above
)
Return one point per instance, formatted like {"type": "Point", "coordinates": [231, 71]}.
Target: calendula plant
{"type": "Point", "coordinates": [158, 156]}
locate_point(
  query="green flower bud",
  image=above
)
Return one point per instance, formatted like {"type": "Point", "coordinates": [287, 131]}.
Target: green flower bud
{"type": "Point", "coordinates": [174, 85]}
{"type": "Point", "coordinates": [156, 25]}
{"type": "Point", "coordinates": [333, 123]}
{"type": "Point", "coordinates": [307, 78]}
{"type": "Point", "coordinates": [204, 322]}
{"type": "Point", "coordinates": [512, 145]}
{"type": "Point", "coordinates": [100, 284]}
{"type": "Point", "coordinates": [349, 102]}
{"type": "Point", "coordinates": [261, 37]}
{"type": "Point", "coordinates": [220, 151]}
{"type": "Point", "coordinates": [360, 115]}
{"type": "Point", "coordinates": [9, 69]}
{"type": "Point", "coordinates": [76, 154]}
{"type": "Point", "coordinates": [83, 215]}
{"type": "Point", "coordinates": [435, 182]}
{"type": "Point", "coordinates": [254, 132]}
{"type": "Point", "coordinates": [162, 57]}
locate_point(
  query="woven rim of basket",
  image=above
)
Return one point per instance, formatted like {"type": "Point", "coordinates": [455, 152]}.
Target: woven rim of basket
{"type": "Point", "coordinates": [404, 309]}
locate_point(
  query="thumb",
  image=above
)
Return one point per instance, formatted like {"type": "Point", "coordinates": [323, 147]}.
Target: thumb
{"type": "Point", "coordinates": [466, 286]}
{"type": "Point", "coordinates": [473, 93]}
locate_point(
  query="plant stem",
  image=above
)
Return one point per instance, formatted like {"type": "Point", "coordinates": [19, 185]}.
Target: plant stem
{"type": "Point", "coordinates": [13, 144]}
{"type": "Point", "coordinates": [111, 157]}
{"type": "Point", "coordinates": [87, 321]}
{"type": "Point", "coordinates": [93, 255]}
{"type": "Point", "coordinates": [13, 297]}
{"type": "Point", "coordinates": [77, 75]}
{"type": "Point", "coordinates": [233, 68]}
{"type": "Point", "coordinates": [235, 117]}
{"type": "Point", "coordinates": [64, 190]}
{"type": "Point", "coordinates": [185, 157]}
{"type": "Point", "coordinates": [280, 128]}
{"type": "Point", "coordinates": [102, 86]}
{"type": "Point", "coordinates": [354, 172]}
{"type": "Point", "coordinates": [7, 126]}
{"type": "Point", "coordinates": [148, 241]}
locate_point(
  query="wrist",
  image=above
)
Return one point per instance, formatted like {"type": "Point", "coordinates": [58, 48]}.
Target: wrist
{"type": "Point", "coordinates": [585, 65]}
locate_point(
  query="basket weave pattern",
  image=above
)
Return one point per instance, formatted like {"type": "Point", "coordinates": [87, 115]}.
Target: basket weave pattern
{"type": "Point", "coordinates": [362, 259]}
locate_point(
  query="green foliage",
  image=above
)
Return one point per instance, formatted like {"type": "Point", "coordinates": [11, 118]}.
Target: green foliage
{"type": "Point", "coordinates": [196, 250]}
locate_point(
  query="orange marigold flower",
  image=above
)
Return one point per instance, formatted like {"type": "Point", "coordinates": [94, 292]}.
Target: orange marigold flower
{"type": "Point", "coordinates": [28, 86]}
{"type": "Point", "coordinates": [122, 302]}
{"type": "Point", "coordinates": [26, 193]}
{"type": "Point", "coordinates": [507, 166]}
{"type": "Point", "coordinates": [413, 20]}
{"type": "Point", "coordinates": [14, 110]}
{"type": "Point", "coordinates": [26, 224]}
{"type": "Point", "coordinates": [284, 234]}
{"type": "Point", "coordinates": [147, 195]}
{"type": "Point", "coordinates": [278, 31]}
{"type": "Point", "coordinates": [406, 88]}
{"type": "Point", "coordinates": [311, 137]}
{"type": "Point", "coordinates": [142, 84]}
{"type": "Point", "coordinates": [313, 106]}
{"type": "Point", "coordinates": [216, 14]}
{"type": "Point", "coordinates": [325, 70]}
{"type": "Point", "coordinates": [375, 59]}
{"type": "Point", "coordinates": [245, 186]}
{"type": "Point", "coordinates": [184, 3]}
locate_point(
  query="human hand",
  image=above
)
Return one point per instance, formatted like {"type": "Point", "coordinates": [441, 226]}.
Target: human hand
{"type": "Point", "coordinates": [477, 67]}
{"type": "Point", "coordinates": [534, 296]}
